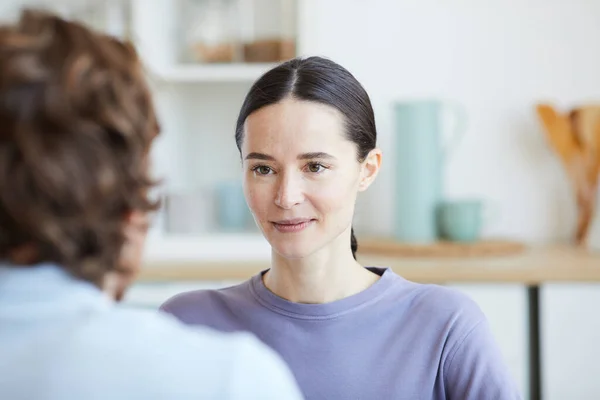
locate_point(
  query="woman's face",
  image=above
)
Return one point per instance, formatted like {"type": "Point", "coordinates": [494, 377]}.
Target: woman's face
{"type": "Point", "coordinates": [301, 175]}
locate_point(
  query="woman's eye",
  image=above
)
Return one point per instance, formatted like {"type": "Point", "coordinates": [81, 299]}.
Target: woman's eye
{"type": "Point", "coordinates": [315, 168]}
{"type": "Point", "coordinates": [262, 170]}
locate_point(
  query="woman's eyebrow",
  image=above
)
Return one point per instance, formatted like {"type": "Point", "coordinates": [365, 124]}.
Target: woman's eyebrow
{"type": "Point", "coordinates": [259, 156]}
{"type": "Point", "coordinates": [319, 154]}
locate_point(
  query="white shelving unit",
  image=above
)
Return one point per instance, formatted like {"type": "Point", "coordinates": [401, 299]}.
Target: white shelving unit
{"type": "Point", "coordinates": [158, 30]}
{"type": "Point", "coordinates": [225, 73]}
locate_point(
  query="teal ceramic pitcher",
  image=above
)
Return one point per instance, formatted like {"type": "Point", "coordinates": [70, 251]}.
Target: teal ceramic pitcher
{"type": "Point", "coordinates": [423, 137]}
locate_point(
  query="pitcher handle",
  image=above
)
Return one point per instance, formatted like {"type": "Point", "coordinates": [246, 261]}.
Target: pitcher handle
{"type": "Point", "coordinates": [458, 129]}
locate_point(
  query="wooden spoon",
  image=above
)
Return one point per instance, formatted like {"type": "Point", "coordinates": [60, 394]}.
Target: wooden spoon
{"type": "Point", "coordinates": [568, 144]}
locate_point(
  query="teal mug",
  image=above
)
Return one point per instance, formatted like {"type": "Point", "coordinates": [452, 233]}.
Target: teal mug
{"type": "Point", "coordinates": [461, 220]}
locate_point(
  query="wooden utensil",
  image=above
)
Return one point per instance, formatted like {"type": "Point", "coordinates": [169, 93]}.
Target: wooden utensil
{"type": "Point", "coordinates": [575, 136]}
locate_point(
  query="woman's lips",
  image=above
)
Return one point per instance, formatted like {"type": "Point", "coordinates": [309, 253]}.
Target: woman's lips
{"type": "Point", "coordinates": [292, 225]}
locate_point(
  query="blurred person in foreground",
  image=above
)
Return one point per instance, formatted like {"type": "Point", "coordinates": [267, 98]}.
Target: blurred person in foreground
{"type": "Point", "coordinates": [76, 126]}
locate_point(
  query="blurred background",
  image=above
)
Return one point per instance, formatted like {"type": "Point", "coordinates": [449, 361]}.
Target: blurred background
{"type": "Point", "coordinates": [475, 173]}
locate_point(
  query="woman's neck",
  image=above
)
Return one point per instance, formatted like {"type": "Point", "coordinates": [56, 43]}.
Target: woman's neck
{"type": "Point", "coordinates": [330, 274]}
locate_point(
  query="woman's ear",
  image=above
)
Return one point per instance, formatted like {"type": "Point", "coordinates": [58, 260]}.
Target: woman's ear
{"type": "Point", "coordinates": [369, 169]}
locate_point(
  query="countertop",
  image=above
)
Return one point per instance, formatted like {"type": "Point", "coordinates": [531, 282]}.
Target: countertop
{"type": "Point", "coordinates": [535, 265]}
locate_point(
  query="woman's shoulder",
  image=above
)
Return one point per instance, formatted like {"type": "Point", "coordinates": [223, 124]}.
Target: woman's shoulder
{"type": "Point", "coordinates": [439, 302]}
{"type": "Point", "coordinates": [446, 298]}
{"type": "Point", "coordinates": [187, 304]}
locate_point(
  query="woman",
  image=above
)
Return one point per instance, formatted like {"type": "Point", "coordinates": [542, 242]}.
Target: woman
{"type": "Point", "coordinates": [306, 135]}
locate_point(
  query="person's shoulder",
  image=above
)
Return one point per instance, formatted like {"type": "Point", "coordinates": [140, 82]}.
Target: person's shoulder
{"type": "Point", "coordinates": [442, 303]}
{"type": "Point", "coordinates": [231, 362]}
{"type": "Point", "coordinates": [193, 301]}
{"type": "Point", "coordinates": [139, 328]}
{"type": "Point", "coordinates": [162, 341]}
{"type": "Point", "coordinates": [161, 355]}
{"type": "Point", "coordinates": [449, 300]}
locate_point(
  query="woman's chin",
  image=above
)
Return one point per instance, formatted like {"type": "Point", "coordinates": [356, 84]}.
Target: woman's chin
{"type": "Point", "coordinates": [292, 246]}
{"type": "Point", "coordinates": [292, 250]}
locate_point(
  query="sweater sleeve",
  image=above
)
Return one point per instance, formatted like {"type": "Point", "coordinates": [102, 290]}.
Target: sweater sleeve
{"type": "Point", "coordinates": [475, 368]}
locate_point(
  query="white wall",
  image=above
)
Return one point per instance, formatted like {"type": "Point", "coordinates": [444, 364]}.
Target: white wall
{"type": "Point", "coordinates": [497, 58]}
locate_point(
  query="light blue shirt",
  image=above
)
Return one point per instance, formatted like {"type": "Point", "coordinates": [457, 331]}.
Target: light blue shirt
{"type": "Point", "coordinates": [62, 339]}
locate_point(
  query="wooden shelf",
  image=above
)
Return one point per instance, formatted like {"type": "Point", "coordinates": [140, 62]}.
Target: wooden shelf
{"type": "Point", "coordinates": [238, 72]}
{"type": "Point", "coordinates": [536, 265]}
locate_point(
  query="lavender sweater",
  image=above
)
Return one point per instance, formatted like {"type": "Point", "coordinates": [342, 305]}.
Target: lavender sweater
{"type": "Point", "coordinates": [395, 340]}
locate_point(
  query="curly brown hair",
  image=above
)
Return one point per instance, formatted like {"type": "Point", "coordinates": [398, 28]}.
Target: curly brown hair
{"type": "Point", "coordinates": [76, 125]}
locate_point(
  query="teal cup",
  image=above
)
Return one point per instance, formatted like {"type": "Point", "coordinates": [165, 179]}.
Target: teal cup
{"type": "Point", "coordinates": [460, 220]}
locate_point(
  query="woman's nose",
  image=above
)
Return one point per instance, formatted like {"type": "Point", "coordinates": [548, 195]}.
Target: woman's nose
{"type": "Point", "coordinates": [289, 192]}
